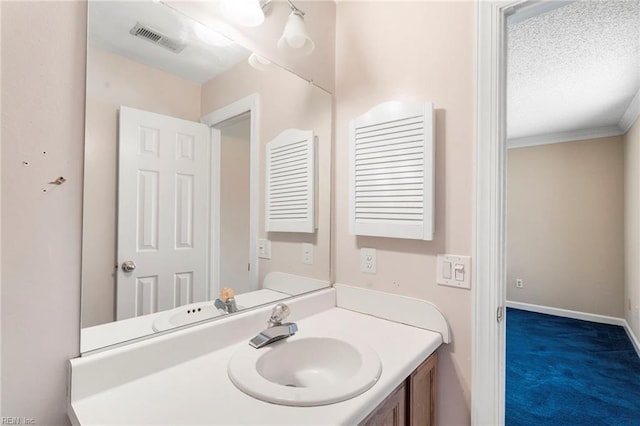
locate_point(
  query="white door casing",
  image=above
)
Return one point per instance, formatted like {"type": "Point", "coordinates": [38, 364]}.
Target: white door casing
{"type": "Point", "coordinates": [488, 293]}
{"type": "Point", "coordinates": [214, 120]}
{"type": "Point", "coordinates": [163, 185]}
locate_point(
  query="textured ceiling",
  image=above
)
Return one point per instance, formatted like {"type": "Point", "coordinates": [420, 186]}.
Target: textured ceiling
{"type": "Point", "coordinates": [202, 59]}
{"type": "Point", "coordinates": [573, 68]}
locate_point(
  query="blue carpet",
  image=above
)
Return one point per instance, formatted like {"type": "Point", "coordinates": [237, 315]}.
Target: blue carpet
{"type": "Point", "coordinates": [566, 372]}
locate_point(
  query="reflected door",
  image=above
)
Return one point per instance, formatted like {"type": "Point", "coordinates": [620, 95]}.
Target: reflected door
{"type": "Point", "coordinates": [163, 219]}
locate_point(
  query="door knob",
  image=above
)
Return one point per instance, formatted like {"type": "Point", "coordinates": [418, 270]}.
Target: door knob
{"type": "Point", "coordinates": [128, 266]}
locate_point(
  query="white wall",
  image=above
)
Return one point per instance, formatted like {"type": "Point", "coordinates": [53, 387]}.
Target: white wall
{"type": "Point", "coordinates": [565, 225]}
{"type": "Point", "coordinates": [632, 228]}
{"type": "Point", "coordinates": [43, 74]}
{"type": "Point", "coordinates": [413, 51]}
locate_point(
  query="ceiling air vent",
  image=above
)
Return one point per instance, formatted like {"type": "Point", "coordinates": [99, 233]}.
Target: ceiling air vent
{"type": "Point", "coordinates": [156, 37]}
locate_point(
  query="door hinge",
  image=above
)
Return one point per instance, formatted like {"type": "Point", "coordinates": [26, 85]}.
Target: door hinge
{"type": "Point", "coordinates": [249, 267]}
{"type": "Point", "coordinates": [499, 314]}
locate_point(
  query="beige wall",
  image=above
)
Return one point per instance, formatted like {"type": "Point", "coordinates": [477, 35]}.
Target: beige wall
{"type": "Point", "coordinates": [114, 80]}
{"type": "Point", "coordinates": [565, 225]}
{"type": "Point", "coordinates": [286, 101]}
{"type": "Point", "coordinates": [43, 74]}
{"type": "Point", "coordinates": [235, 155]}
{"type": "Point", "coordinates": [632, 228]}
{"type": "Point", "coordinates": [414, 51]}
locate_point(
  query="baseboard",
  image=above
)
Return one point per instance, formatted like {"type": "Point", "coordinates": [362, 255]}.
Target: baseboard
{"type": "Point", "coordinates": [602, 319]}
{"type": "Point", "coordinates": [632, 337]}
{"type": "Point", "coordinates": [566, 313]}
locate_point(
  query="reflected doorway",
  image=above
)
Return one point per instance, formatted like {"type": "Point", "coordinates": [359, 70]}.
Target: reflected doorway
{"type": "Point", "coordinates": [235, 190]}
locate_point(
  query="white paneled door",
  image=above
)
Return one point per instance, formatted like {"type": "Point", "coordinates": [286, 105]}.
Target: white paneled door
{"type": "Point", "coordinates": [163, 219]}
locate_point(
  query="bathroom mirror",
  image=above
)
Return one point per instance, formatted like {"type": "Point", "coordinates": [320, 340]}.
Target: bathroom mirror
{"type": "Point", "coordinates": [177, 125]}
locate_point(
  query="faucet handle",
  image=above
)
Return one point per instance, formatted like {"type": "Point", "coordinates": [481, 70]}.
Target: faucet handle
{"type": "Point", "coordinates": [280, 313]}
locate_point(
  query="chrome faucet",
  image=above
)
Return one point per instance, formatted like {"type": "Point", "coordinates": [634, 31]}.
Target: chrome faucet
{"type": "Point", "coordinates": [229, 306]}
{"type": "Point", "coordinates": [276, 330]}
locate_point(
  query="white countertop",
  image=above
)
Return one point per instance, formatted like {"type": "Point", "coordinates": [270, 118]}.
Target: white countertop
{"type": "Point", "coordinates": [199, 392]}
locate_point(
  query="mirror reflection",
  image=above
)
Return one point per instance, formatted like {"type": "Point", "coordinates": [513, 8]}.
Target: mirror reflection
{"type": "Point", "coordinates": [207, 179]}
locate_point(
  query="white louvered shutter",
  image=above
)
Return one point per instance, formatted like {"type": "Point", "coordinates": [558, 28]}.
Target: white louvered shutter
{"type": "Point", "coordinates": [392, 171]}
{"type": "Point", "coordinates": [290, 182]}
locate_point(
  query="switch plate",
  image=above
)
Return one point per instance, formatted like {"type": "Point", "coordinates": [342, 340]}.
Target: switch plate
{"type": "Point", "coordinates": [264, 248]}
{"type": "Point", "coordinates": [454, 271]}
{"type": "Point", "coordinates": [368, 260]}
{"type": "Point", "coordinates": [307, 253]}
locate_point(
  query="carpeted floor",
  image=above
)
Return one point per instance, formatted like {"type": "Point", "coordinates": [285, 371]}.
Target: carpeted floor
{"type": "Point", "coordinates": [566, 372]}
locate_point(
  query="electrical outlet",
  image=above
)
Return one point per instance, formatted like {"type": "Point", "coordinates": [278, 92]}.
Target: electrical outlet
{"type": "Point", "coordinates": [519, 283]}
{"type": "Point", "coordinates": [307, 253]}
{"type": "Point", "coordinates": [264, 248]}
{"type": "Point", "coordinates": [368, 260]}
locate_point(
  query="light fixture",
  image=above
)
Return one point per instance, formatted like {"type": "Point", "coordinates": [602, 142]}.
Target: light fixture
{"type": "Point", "coordinates": [247, 13]}
{"type": "Point", "coordinates": [260, 63]}
{"type": "Point", "coordinates": [295, 38]}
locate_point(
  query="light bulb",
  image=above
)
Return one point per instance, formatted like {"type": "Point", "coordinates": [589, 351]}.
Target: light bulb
{"type": "Point", "coordinates": [247, 13]}
{"type": "Point", "coordinates": [295, 36]}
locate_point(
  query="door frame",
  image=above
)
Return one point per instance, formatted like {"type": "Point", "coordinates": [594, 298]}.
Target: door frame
{"type": "Point", "coordinates": [488, 294]}
{"type": "Point", "coordinates": [215, 120]}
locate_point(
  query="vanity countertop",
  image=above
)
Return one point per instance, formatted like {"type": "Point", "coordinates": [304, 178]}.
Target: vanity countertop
{"type": "Point", "coordinates": [198, 391]}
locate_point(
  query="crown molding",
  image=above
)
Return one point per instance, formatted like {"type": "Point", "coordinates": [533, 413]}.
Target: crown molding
{"type": "Point", "coordinates": [631, 114]}
{"type": "Point", "coordinates": [560, 137]}
{"type": "Point", "coordinates": [532, 8]}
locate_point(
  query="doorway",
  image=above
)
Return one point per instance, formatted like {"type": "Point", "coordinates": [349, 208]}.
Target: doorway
{"type": "Point", "coordinates": [488, 381]}
{"type": "Point", "coordinates": [234, 204]}
{"type": "Point", "coordinates": [237, 124]}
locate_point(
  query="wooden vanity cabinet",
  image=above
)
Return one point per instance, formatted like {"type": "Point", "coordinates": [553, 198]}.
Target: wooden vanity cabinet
{"type": "Point", "coordinates": [413, 403]}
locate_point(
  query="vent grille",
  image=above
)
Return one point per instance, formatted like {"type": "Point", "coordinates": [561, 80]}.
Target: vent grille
{"type": "Point", "coordinates": [290, 182]}
{"type": "Point", "coordinates": [156, 37]}
{"type": "Point", "coordinates": [392, 171]}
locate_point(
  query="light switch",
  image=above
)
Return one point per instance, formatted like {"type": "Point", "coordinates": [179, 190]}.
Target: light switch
{"type": "Point", "coordinates": [446, 270]}
{"type": "Point", "coordinates": [459, 272]}
{"type": "Point", "coordinates": [454, 271]}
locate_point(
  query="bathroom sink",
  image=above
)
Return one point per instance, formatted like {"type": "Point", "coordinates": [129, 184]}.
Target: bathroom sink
{"type": "Point", "coordinates": [186, 315]}
{"type": "Point", "coordinates": [305, 371]}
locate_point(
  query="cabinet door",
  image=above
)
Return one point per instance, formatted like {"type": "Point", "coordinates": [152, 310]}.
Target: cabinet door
{"type": "Point", "coordinates": [391, 412]}
{"type": "Point", "coordinates": [422, 393]}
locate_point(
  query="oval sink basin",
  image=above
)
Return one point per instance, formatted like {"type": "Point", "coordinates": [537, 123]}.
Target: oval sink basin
{"type": "Point", "coordinates": [305, 371]}
{"type": "Point", "coordinates": [186, 315]}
